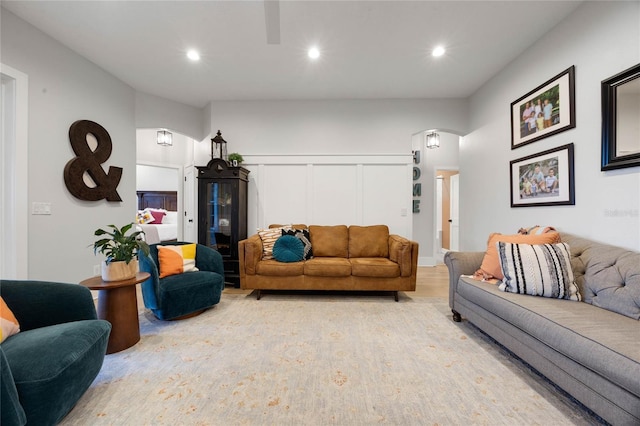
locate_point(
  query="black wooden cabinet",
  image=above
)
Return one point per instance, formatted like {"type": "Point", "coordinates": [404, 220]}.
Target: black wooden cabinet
{"type": "Point", "coordinates": [222, 212]}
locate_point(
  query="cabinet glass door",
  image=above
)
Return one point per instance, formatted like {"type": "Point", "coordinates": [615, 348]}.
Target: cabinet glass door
{"type": "Point", "coordinates": [219, 216]}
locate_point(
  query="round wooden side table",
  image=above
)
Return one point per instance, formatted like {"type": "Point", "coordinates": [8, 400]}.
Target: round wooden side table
{"type": "Point", "coordinates": [118, 304]}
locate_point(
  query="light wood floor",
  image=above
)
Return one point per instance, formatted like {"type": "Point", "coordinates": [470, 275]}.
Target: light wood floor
{"type": "Point", "coordinates": [430, 282]}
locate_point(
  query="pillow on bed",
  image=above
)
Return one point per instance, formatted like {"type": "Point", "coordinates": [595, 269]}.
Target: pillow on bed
{"type": "Point", "coordinates": [144, 216]}
{"type": "Point", "coordinates": [157, 216]}
{"type": "Point", "coordinates": [538, 270]}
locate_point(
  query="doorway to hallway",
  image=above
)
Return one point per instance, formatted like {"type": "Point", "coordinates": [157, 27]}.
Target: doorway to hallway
{"type": "Point", "coordinates": [447, 214]}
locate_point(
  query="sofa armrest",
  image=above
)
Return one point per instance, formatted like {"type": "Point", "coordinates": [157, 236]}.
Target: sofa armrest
{"type": "Point", "coordinates": [250, 253]}
{"type": "Point", "coordinates": [461, 263]}
{"type": "Point", "coordinates": [41, 303]}
{"type": "Point", "coordinates": [405, 253]}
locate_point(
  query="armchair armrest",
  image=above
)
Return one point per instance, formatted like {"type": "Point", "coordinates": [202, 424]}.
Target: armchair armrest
{"type": "Point", "coordinates": [41, 303]}
{"type": "Point", "coordinates": [208, 259]}
{"type": "Point", "coordinates": [250, 251]}
{"type": "Point", "coordinates": [461, 263]}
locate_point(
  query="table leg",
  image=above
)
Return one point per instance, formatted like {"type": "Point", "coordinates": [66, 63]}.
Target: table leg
{"type": "Point", "coordinates": [119, 306]}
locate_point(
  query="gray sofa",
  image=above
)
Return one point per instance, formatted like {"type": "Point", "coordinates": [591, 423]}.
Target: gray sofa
{"type": "Point", "coordinates": [591, 349]}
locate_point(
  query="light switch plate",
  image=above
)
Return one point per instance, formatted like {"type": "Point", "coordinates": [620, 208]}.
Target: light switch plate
{"type": "Point", "coordinates": [41, 208]}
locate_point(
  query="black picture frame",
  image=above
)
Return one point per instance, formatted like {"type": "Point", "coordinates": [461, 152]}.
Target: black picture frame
{"type": "Point", "coordinates": [544, 193]}
{"type": "Point", "coordinates": [612, 157]}
{"type": "Point", "coordinates": [559, 92]}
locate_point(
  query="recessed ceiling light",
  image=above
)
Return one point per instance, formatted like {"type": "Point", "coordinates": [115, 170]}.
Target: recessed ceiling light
{"type": "Point", "coordinates": [193, 55]}
{"type": "Point", "coordinates": [438, 51]}
{"type": "Point", "coordinates": [313, 53]}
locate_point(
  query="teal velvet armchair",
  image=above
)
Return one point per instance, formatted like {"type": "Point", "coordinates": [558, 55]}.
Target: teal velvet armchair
{"type": "Point", "coordinates": [186, 294]}
{"type": "Point", "coordinates": [59, 351]}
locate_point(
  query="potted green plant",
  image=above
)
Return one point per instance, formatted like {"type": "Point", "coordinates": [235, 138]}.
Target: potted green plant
{"type": "Point", "coordinates": [121, 251]}
{"type": "Point", "coordinates": [235, 159]}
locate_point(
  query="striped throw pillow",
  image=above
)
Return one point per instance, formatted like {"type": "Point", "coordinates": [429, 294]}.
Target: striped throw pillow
{"type": "Point", "coordinates": [269, 238]}
{"type": "Point", "coordinates": [538, 270]}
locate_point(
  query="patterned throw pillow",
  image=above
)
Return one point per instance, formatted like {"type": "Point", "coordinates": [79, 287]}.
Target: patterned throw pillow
{"type": "Point", "coordinates": [302, 235]}
{"type": "Point", "coordinates": [8, 322]}
{"type": "Point", "coordinates": [288, 249]}
{"type": "Point", "coordinates": [144, 217]}
{"type": "Point", "coordinates": [269, 238]}
{"type": "Point", "coordinates": [177, 259]}
{"type": "Point", "coordinates": [538, 270]}
{"type": "Point", "coordinates": [490, 267]}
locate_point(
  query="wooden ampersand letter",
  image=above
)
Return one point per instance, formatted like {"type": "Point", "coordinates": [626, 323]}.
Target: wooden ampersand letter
{"type": "Point", "coordinates": [90, 161]}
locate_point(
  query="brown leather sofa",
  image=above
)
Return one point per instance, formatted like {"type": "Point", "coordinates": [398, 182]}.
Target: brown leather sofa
{"type": "Point", "coordinates": [363, 258]}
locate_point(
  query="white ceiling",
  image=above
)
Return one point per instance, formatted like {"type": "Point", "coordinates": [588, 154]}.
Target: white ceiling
{"type": "Point", "coordinates": [370, 49]}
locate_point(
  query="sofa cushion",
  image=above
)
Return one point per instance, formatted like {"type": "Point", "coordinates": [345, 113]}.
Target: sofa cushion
{"type": "Point", "coordinates": [369, 241]}
{"type": "Point", "coordinates": [330, 241]}
{"type": "Point", "coordinates": [374, 267]}
{"type": "Point", "coordinates": [607, 276]}
{"type": "Point", "coordinates": [279, 269]}
{"type": "Point", "coordinates": [179, 295]}
{"type": "Point", "coordinates": [328, 267]}
{"type": "Point", "coordinates": [538, 270]}
{"type": "Point", "coordinates": [603, 341]}
{"type": "Point", "coordinates": [53, 366]}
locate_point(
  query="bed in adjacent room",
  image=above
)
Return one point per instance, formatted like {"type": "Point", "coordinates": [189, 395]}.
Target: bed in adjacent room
{"type": "Point", "coordinates": [158, 216]}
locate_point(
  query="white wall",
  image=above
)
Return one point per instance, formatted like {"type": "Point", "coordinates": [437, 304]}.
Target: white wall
{"type": "Point", "coordinates": [368, 143]}
{"type": "Point", "coordinates": [63, 88]}
{"type": "Point", "coordinates": [330, 190]}
{"type": "Point", "coordinates": [424, 223]}
{"type": "Point", "coordinates": [156, 112]}
{"type": "Point", "coordinates": [149, 152]}
{"type": "Point", "coordinates": [154, 178]}
{"type": "Point", "coordinates": [600, 39]}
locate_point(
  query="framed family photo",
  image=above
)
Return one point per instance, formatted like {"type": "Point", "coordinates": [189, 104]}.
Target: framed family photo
{"type": "Point", "coordinates": [546, 110]}
{"type": "Point", "coordinates": [543, 179]}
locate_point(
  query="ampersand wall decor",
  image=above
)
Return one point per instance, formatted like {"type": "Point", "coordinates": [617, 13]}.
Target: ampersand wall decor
{"type": "Point", "coordinates": [90, 161]}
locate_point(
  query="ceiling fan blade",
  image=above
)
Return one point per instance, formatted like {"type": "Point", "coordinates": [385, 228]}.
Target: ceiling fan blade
{"type": "Point", "coordinates": [272, 20]}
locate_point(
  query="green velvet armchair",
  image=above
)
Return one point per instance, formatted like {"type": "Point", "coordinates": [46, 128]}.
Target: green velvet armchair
{"type": "Point", "coordinates": [182, 295]}
{"type": "Point", "coordinates": [59, 351]}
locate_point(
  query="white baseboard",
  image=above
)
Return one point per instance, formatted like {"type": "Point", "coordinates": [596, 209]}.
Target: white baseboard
{"type": "Point", "coordinates": [426, 261]}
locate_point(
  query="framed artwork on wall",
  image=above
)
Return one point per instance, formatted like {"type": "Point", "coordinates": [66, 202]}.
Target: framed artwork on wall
{"type": "Point", "coordinates": [543, 179]}
{"type": "Point", "coordinates": [620, 118]}
{"type": "Point", "coordinates": [546, 110]}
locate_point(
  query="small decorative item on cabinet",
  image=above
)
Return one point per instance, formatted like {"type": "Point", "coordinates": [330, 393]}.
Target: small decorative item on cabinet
{"type": "Point", "coordinates": [235, 159]}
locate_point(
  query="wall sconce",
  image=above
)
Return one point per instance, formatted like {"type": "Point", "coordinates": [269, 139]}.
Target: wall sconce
{"type": "Point", "coordinates": [165, 138]}
{"type": "Point", "coordinates": [432, 140]}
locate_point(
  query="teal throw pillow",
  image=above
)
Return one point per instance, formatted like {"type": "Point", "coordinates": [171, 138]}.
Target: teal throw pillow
{"type": "Point", "coordinates": [288, 249]}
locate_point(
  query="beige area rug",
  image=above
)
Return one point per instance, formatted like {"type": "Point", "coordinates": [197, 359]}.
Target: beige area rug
{"type": "Point", "coordinates": [308, 359]}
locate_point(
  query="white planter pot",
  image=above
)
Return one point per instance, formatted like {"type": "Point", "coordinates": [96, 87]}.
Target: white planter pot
{"type": "Point", "coordinates": [119, 271]}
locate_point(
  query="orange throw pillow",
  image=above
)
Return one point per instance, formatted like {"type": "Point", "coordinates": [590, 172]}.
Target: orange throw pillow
{"type": "Point", "coordinates": [491, 263]}
{"type": "Point", "coordinates": [8, 322]}
{"type": "Point", "coordinates": [177, 259]}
